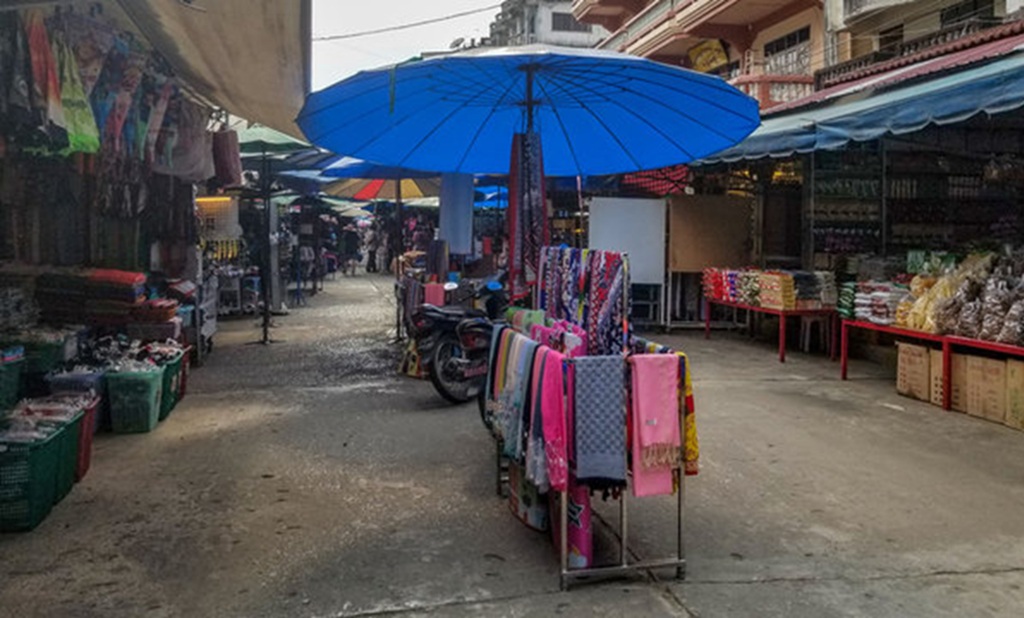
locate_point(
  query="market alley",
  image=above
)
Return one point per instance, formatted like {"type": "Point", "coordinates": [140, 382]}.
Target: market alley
{"type": "Point", "coordinates": [308, 479]}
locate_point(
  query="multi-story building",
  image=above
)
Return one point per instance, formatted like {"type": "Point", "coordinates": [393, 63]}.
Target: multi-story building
{"type": "Point", "coordinates": [769, 48]}
{"type": "Point", "coordinates": [551, 22]}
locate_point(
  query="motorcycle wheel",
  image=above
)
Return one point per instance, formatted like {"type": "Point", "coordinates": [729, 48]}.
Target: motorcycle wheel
{"type": "Point", "coordinates": [455, 391]}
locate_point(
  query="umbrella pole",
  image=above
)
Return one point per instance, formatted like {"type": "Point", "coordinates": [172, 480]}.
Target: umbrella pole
{"type": "Point", "coordinates": [398, 244]}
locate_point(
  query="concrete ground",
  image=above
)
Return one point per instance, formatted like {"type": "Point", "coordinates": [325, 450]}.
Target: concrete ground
{"type": "Point", "coordinates": [307, 479]}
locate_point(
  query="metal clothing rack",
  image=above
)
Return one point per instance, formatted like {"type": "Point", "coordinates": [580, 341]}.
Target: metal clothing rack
{"type": "Point", "coordinates": [623, 566]}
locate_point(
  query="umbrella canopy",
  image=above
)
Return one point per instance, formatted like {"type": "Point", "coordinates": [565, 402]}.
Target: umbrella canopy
{"type": "Point", "coordinates": [260, 139]}
{"type": "Point", "coordinates": [348, 167]}
{"type": "Point", "coordinates": [381, 189]}
{"type": "Point", "coordinates": [597, 112]}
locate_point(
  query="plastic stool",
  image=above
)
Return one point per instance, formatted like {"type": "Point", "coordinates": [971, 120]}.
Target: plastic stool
{"type": "Point", "coordinates": [807, 323]}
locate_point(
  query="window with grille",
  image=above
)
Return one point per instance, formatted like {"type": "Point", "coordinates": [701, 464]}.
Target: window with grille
{"type": "Point", "coordinates": [790, 54]}
{"type": "Point", "coordinates": [965, 11]}
{"type": "Point", "coordinates": [565, 22]}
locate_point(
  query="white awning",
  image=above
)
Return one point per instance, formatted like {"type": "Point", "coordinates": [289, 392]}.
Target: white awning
{"type": "Point", "coordinates": [250, 57]}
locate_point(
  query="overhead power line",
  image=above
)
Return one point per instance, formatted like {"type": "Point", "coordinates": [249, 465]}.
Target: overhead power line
{"type": "Point", "coordinates": [425, 22]}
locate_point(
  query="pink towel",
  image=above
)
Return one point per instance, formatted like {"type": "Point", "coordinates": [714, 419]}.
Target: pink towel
{"type": "Point", "coordinates": [552, 401]}
{"type": "Point", "coordinates": [655, 414]}
{"type": "Point", "coordinates": [434, 294]}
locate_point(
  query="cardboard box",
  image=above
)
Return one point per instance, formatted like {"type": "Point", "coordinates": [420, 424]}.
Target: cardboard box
{"type": "Point", "coordinates": [986, 388]}
{"type": "Point", "coordinates": [913, 371]}
{"type": "Point", "coordinates": [1014, 394]}
{"type": "Point", "coordinates": [958, 376]}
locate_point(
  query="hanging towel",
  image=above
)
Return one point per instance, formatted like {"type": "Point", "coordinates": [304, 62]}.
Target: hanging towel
{"type": "Point", "coordinates": [655, 414]}
{"type": "Point", "coordinates": [552, 406]}
{"type": "Point", "coordinates": [434, 294]}
{"type": "Point", "coordinates": [600, 411]}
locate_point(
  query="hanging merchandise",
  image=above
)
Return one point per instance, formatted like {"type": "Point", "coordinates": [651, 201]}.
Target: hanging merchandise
{"type": "Point", "coordinates": [90, 40]}
{"type": "Point", "coordinates": [600, 427]}
{"type": "Point", "coordinates": [185, 148]}
{"type": "Point", "coordinates": [528, 229]}
{"type": "Point", "coordinates": [46, 97]}
{"type": "Point", "coordinates": [15, 75]}
{"type": "Point", "coordinates": [226, 159]}
{"type": "Point", "coordinates": [83, 134]}
{"type": "Point", "coordinates": [656, 432]}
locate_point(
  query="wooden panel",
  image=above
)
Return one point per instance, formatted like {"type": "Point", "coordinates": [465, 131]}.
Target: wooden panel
{"type": "Point", "coordinates": [709, 230]}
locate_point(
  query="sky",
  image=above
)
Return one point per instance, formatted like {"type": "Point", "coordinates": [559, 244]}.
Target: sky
{"type": "Point", "coordinates": [335, 60]}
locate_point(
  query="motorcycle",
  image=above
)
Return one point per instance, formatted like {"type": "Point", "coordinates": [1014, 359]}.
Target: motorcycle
{"type": "Point", "coordinates": [454, 342]}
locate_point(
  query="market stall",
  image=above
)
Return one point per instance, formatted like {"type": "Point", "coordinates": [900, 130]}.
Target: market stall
{"type": "Point", "coordinates": [567, 420]}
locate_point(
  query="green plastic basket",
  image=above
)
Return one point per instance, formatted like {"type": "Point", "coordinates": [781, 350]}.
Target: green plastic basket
{"type": "Point", "coordinates": [135, 400]}
{"type": "Point", "coordinates": [28, 482]}
{"type": "Point", "coordinates": [43, 357]}
{"type": "Point", "coordinates": [10, 383]}
{"type": "Point", "coordinates": [172, 381]}
{"type": "Point", "coordinates": [67, 437]}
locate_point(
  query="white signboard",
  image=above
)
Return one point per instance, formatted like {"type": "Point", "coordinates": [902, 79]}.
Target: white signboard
{"type": "Point", "coordinates": [633, 226]}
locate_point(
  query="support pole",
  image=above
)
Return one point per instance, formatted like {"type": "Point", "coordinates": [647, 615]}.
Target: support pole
{"type": "Point", "coordinates": [267, 246]}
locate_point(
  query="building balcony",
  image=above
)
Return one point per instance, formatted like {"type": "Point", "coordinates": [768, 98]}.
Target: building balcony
{"type": "Point", "coordinates": [916, 49]}
{"type": "Point", "coordinates": [611, 14]}
{"type": "Point", "coordinates": [772, 90]}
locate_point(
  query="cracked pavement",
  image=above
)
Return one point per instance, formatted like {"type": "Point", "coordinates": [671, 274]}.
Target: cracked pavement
{"type": "Point", "coordinates": [307, 479]}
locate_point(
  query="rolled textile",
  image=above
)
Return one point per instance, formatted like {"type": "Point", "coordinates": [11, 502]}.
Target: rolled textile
{"type": "Point", "coordinates": [600, 420]}
{"type": "Point", "coordinates": [655, 414]}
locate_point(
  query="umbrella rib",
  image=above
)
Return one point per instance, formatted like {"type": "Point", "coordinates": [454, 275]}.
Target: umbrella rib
{"type": "Point", "coordinates": [655, 127]}
{"type": "Point", "coordinates": [669, 108]}
{"type": "Point", "coordinates": [480, 129]}
{"type": "Point", "coordinates": [730, 91]}
{"type": "Point", "coordinates": [565, 132]}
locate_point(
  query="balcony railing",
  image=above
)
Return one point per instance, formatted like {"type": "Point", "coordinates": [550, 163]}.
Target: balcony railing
{"type": "Point", "coordinates": [851, 69]}
{"type": "Point", "coordinates": [771, 90]}
{"type": "Point", "coordinates": [654, 13]}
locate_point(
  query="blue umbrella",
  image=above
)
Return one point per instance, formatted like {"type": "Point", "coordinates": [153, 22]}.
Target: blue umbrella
{"type": "Point", "coordinates": [349, 167]}
{"type": "Point", "coordinates": [597, 112]}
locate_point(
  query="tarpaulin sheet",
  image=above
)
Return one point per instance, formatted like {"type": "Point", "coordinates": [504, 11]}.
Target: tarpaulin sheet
{"type": "Point", "coordinates": [246, 56]}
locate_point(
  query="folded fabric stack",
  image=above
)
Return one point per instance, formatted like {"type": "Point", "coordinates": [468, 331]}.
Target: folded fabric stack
{"type": "Point", "coordinates": [778, 290]}
{"type": "Point", "coordinates": [158, 310]}
{"type": "Point", "coordinates": [119, 285]}
{"type": "Point", "coordinates": [807, 288]}
{"type": "Point", "coordinates": [749, 287]}
{"type": "Point", "coordinates": [827, 285]}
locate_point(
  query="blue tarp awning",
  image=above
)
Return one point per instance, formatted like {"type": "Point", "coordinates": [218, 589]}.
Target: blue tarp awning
{"type": "Point", "coordinates": [992, 88]}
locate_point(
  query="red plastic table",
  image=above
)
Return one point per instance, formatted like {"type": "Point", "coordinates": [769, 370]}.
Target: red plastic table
{"type": "Point", "coordinates": [948, 343]}
{"type": "Point", "coordinates": [782, 314]}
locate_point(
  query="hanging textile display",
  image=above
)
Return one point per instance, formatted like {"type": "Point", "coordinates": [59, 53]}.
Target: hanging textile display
{"type": "Point", "coordinates": [656, 433]}
{"type": "Point", "coordinates": [600, 426]}
{"type": "Point", "coordinates": [45, 83]}
{"type": "Point", "coordinates": [15, 75]}
{"type": "Point", "coordinates": [90, 40]}
{"type": "Point", "coordinates": [527, 214]}
{"type": "Point", "coordinates": [82, 133]}
{"type": "Point", "coordinates": [456, 224]}
{"type": "Point", "coordinates": [691, 445]}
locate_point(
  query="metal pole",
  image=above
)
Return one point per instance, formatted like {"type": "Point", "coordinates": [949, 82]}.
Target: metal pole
{"type": "Point", "coordinates": [397, 246]}
{"type": "Point", "coordinates": [265, 266]}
